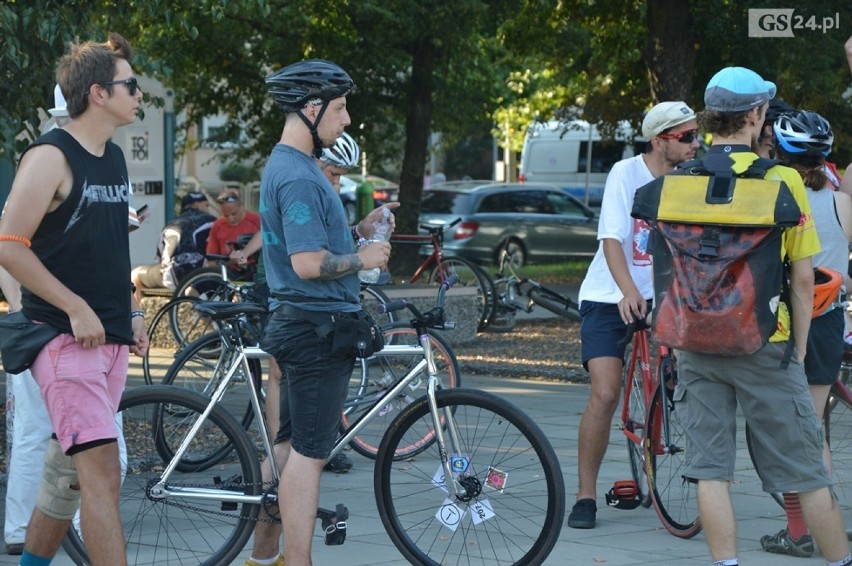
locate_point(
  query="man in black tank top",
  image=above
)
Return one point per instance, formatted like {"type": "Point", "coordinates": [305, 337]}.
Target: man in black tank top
{"type": "Point", "coordinates": [64, 237]}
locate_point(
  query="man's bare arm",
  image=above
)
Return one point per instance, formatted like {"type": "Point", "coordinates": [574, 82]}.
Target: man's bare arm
{"type": "Point", "coordinates": [336, 266]}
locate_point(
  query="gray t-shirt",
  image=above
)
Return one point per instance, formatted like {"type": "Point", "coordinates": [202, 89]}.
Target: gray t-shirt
{"type": "Point", "coordinates": [300, 212]}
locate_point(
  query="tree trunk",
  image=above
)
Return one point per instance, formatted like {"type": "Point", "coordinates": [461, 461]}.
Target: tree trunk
{"type": "Point", "coordinates": [405, 259]}
{"type": "Point", "coordinates": [669, 51]}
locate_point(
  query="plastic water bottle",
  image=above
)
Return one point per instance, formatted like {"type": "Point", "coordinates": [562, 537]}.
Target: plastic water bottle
{"type": "Point", "coordinates": [381, 233]}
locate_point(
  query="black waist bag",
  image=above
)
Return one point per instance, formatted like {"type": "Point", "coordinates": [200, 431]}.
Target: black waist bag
{"type": "Point", "coordinates": [355, 334]}
{"type": "Point", "coordinates": [21, 340]}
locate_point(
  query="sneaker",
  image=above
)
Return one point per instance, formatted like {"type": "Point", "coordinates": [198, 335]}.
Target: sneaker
{"type": "Point", "coordinates": [783, 543]}
{"type": "Point", "coordinates": [14, 548]}
{"type": "Point", "coordinates": [583, 514]}
{"type": "Point", "coordinates": [278, 562]}
{"type": "Point", "coordinates": [340, 464]}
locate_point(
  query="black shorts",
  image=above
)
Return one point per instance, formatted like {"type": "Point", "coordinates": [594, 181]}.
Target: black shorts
{"type": "Point", "coordinates": [601, 331]}
{"type": "Point", "coordinates": [825, 348]}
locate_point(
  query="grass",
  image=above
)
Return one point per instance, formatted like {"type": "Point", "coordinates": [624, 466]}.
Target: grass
{"type": "Point", "coordinates": [552, 273]}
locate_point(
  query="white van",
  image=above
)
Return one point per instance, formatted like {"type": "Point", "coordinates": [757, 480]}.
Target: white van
{"type": "Point", "coordinates": [557, 152]}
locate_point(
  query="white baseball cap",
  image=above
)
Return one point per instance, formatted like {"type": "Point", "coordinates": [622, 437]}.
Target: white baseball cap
{"type": "Point", "coordinates": [59, 107]}
{"type": "Point", "coordinates": [665, 115]}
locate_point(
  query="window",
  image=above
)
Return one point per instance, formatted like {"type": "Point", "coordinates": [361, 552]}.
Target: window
{"type": "Point", "coordinates": [444, 202]}
{"type": "Point", "coordinates": [605, 154]}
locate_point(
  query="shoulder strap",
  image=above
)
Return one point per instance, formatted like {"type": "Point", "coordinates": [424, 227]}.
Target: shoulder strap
{"type": "Point", "coordinates": [704, 166]}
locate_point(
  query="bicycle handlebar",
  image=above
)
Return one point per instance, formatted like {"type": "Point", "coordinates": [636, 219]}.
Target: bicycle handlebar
{"type": "Point", "coordinates": [435, 230]}
{"type": "Point", "coordinates": [434, 318]}
{"type": "Point", "coordinates": [637, 325]}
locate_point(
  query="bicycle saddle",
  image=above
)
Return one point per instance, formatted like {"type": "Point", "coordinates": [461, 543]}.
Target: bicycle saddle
{"type": "Point", "coordinates": [218, 310]}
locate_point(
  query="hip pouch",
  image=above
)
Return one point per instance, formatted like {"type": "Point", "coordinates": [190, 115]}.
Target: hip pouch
{"type": "Point", "coordinates": [21, 340]}
{"type": "Point", "coordinates": [355, 334]}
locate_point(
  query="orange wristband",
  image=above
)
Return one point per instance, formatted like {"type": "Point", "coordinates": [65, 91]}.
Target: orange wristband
{"type": "Point", "coordinates": [23, 240]}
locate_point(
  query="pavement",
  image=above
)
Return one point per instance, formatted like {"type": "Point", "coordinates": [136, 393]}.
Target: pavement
{"type": "Point", "coordinates": [621, 537]}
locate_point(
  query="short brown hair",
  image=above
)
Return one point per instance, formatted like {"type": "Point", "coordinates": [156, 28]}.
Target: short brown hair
{"type": "Point", "coordinates": [721, 123]}
{"type": "Point", "coordinates": [86, 64]}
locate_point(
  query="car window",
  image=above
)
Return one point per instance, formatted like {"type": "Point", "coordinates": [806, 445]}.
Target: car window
{"type": "Point", "coordinates": [444, 202]}
{"type": "Point", "coordinates": [563, 204]}
{"type": "Point", "coordinates": [528, 202]}
{"type": "Point", "coordinates": [493, 203]}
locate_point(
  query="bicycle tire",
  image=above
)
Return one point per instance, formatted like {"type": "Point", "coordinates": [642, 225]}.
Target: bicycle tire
{"type": "Point", "coordinates": [172, 531]}
{"type": "Point", "coordinates": [837, 421]}
{"type": "Point", "coordinates": [379, 374]}
{"type": "Point", "coordinates": [470, 275]}
{"type": "Point", "coordinates": [504, 458]}
{"type": "Point", "coordinates": [634, 393]}
{"type": "Point", "coordinates": [505, 314]}
{"type": "Point", "coordinates": [371, 298]}
{"type": "Point", "coordinates": [164, 342]}
{"type": "Point", "coordinates": [200, 367]}
{"type": "Point", "coordinates": [555, 303]}
{"type": "Point", "coordinates": [674, 496]}
{"type": "Point", "coordinates": [186, 286]}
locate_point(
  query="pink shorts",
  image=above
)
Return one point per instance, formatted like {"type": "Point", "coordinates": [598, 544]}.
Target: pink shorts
{"type": "Point", "coordinates": [81, 388]}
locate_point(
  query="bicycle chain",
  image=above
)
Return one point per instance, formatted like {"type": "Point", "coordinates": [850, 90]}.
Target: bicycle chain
{"type": "Point", "coordinates": [265, 502]}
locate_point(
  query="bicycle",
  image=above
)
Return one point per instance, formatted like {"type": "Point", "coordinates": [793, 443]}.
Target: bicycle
{"type": "Point", "coordinates": [514, 294]}
{"type": "Point", "coordinates": [442, 267]}
{"type": "Point", "coordinates": [656, 441]}
{"type": "Point", "coordinates": [207, 361]}
{"type": "Point", "coordinates": [476, 453]}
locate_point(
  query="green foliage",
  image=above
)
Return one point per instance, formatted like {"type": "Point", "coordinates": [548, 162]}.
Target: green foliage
{"type": "Point", "coordinates": [239, 172]}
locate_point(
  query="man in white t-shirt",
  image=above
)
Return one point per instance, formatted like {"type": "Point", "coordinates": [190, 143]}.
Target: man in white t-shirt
{"type": "Point", "coordinates": [618, 287]}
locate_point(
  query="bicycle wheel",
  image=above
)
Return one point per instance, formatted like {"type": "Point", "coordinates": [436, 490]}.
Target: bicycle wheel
{"type": "Point", "coordinates": [175, 325]}
{"type": "Point", "coordinates": [514, 507]}
{"type": "Point", "coordinates": [838, 433]}
{"type": "Point", "coordinates": [673, 495]}
{"type": "Point", "coordinates": [371, 298]}
{"type": "Point", "coordinates": [381, 373]}
{"type": "Point", "coordinates": [470, 275]}
{"type": "Point", "coordinates": [635, 423]}
{"type": "Point", "coordinates": [200, 282]}
{"type": "Point", "coordinates": [200, 367]}
{"type": "Point", "coordinates": [181, 530]}
{"type": "Point", "coordinates": [555, 303]}
{"type": "Point", "coordinates": [504, 308]}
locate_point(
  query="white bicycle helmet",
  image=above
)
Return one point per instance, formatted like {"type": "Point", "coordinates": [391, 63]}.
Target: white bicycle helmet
{"type": "Point", "coordinates": [344, 153]}
{"type": "Point", "coordinates": [803, 133]}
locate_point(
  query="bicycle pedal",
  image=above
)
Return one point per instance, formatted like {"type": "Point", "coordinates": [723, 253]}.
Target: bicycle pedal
{"type": "Point", "coordinates": [624, 495]}
{"type": "Point", "coordinates": [229, 485]}
{"type": "Point", "coordinates": [334, 524]}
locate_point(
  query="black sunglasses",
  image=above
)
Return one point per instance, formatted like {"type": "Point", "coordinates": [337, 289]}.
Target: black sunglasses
{"type": "Point", "coordinates": [683, 137]}
{"type": "Point", "coordinates": [132, 84]}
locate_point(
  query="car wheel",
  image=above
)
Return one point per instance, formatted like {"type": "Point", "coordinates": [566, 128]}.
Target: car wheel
{"type": "Point", "coordinates": [350, 213]}
{"type": "Point", "coordinates": [517, 256]}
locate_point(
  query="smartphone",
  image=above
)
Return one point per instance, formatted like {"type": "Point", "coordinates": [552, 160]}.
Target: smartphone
{"type": "Point", "coordinates": [141, 210]}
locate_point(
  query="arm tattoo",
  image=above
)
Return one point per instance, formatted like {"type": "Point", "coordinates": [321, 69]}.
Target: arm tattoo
{"type": "Point", "coordinates": [336, 266]}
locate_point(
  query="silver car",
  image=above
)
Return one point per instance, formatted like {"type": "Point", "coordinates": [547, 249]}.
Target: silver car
{"type": "Point", "coordinates": [535, 222]}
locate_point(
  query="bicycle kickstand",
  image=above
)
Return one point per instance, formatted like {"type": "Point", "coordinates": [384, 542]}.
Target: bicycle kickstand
{"type": "Point", "coordinates": [334, 524]}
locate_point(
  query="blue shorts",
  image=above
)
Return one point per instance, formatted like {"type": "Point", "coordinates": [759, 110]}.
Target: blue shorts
{"type": "Point", "coordinates": [314, 384]}
{"type": "Point", "coordinates": [601, 331]}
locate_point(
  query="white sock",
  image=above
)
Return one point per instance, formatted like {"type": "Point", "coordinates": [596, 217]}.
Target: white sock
{"type": "Point", "coordinates": [265, 561]}
{"type": "Point", "coordinates": [729, 562]}
{"type": "Point", "coordinates": [845, 562]}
